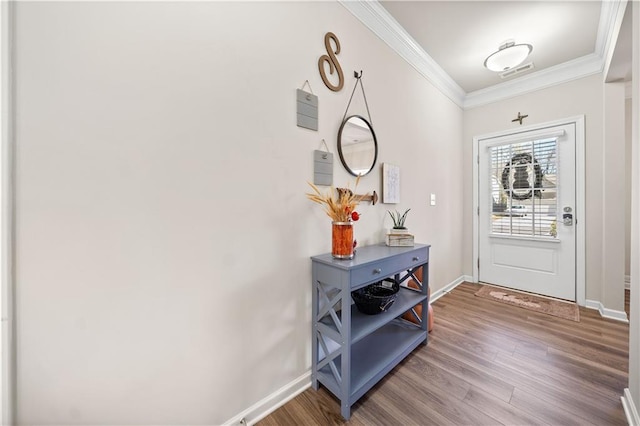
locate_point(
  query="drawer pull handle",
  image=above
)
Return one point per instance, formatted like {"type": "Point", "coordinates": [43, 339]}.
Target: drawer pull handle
{"type": "Point", "coordinates": [416, 258]}
{"type": "Point", "coordinates": [377, 271]}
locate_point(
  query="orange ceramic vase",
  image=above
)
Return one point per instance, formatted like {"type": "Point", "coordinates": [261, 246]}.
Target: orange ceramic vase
{"type": "Point", "coordinates": [342, 240]}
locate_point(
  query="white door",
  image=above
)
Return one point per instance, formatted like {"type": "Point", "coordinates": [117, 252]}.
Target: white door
{"type": "Point", "coordinates": [527, 203]}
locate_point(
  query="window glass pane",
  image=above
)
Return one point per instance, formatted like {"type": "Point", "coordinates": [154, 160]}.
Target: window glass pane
{"type": "Point", "coordinates": [524, 188]}
{"type": "Point", "coordinates": [546, 213]}
{"type": "Point", "coordinates": [545, 153]}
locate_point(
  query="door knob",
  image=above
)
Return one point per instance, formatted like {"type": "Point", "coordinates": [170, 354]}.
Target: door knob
{"type": "Point", "coordinates": [567, 216]}
{"type": "Point", "coordinates": [567, 219]}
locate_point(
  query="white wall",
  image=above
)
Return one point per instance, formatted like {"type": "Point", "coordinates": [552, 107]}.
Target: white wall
{"type": "Point", "coordinates": [634, 323]}
{"type": "Point", "coordinates": [6, 194]}
{"type": "Point", "coordinates": [613, 196]}
{"type": "Point", "coordinates": [582, 96]}
{"type": "Point", "coordinates": [627, 166]}
{"type": "Point", "coordinates": [162, 233]}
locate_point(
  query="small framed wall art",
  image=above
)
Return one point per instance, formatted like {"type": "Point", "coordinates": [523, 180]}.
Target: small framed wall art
{"type": "Point", "coordinates": [390, 183]}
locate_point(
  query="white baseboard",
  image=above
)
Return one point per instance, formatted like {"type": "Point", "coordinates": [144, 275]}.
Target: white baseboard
{"type": "Point", "coordinates": [630, 409]}
{"type": "Point", "coordinates": [271, 403]}
{"type": "Point", "coordinates": [605, 312]}
{"type": "Point", "coordinates": [446, 289]}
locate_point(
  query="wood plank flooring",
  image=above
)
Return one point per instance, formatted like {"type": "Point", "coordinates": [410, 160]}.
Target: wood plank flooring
{"type": "Point", "coordinates": [489, 363]}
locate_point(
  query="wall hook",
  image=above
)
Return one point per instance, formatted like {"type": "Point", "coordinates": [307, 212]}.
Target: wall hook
{"type": "Point", "coordinates": [355, 86]}
{"type": "Point", "coordinates": [372, 198]}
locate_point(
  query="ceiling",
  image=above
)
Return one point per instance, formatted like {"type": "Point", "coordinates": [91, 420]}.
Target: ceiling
{"type": "Point", "coordinates": [448, 41]}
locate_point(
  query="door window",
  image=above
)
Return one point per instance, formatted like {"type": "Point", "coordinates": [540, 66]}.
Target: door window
{"type": "Point", "coordinates": [524, 189]}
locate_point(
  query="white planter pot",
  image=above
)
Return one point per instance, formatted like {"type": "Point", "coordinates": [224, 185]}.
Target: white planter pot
{"type": "Point", "coordinates": [398, 231]}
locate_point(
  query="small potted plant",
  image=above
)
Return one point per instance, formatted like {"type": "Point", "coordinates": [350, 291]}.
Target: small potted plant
{"type": "Point", "coordinates": [398, 222]}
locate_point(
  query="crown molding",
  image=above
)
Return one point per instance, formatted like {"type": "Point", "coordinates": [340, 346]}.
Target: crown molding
{"type": "Point", "coordinates": [558, 74]}
{"type": "Point", "coordinates": [611, 11]}
{"type": "Point", "coordinates": [380, 22]}
{"type": "Point", "coordinates": [611, 17]}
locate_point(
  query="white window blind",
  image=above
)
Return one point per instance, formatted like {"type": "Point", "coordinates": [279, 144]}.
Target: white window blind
{"type": "Point", "coordinates": [524, 188]}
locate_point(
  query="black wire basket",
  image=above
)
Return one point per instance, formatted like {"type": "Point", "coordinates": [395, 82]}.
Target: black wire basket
{"type": "Point", "coordinates": [375, 298]}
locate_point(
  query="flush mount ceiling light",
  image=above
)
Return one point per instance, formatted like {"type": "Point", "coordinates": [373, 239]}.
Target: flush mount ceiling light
{"type": "Point", "coordinates": [509, 55]}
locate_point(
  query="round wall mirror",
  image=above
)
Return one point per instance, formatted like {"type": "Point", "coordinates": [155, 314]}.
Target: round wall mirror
{"type": "Point", "coordinates": [357, 145]}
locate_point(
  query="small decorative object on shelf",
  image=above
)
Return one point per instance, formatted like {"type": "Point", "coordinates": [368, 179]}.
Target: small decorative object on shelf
{"type": "Point", "coordinates": [400, 240]}
{"type": "Point", "coordinates": [340, 204]}
{"type": "Point", "coordinates": [399, 235]}
{"type": "Point", "coordinates": [375, 298]}
{"type": "Point", "coordinates": [342, 240]}
{"type": "Point", "coordinates": [398, 221]}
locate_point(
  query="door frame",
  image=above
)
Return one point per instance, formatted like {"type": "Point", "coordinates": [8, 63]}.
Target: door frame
{"type": "Point", "coordinates": [580, 209]}
{"type": "Point", "coordinates": [7, 315]}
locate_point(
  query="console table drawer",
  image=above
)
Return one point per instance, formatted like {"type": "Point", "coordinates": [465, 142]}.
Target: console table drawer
{"type": "Point", "coordinates": [388, 267]}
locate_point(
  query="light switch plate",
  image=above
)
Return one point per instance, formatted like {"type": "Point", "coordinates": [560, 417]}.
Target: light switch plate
{"type": "Point", "coordinates": [433, 199]}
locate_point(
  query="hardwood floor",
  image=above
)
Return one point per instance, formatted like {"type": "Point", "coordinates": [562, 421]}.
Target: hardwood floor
{"type": "Point", "coordinates": [489, 363]}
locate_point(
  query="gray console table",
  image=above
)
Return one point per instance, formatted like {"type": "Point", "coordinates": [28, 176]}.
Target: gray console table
{"type": "Point", "coordinates": [352, 351]}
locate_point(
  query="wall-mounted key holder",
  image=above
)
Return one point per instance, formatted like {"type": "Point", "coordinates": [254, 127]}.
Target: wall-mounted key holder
{"type": "Point", "coordinates": [307, 108]}
{"type": "Point", "coordinates": [323, 167]}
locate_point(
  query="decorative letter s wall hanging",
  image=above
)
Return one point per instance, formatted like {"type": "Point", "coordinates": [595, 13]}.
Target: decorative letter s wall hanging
{"type": "Point", "coordinates": [332, 61]}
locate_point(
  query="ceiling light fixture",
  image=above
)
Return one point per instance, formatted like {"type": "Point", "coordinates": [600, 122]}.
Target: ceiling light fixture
{"type": "Point", "coordinates": [508, 55]}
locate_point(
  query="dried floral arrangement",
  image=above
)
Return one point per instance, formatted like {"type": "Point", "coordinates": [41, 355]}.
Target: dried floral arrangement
{"type": "Point", "coordinates": [338, 203]}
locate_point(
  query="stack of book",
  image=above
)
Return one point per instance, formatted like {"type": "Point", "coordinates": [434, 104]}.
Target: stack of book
{"type": "Point", "coordinates": [399, 240]}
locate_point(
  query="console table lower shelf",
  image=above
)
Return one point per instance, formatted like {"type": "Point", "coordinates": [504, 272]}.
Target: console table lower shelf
{"type": "Point", "coordinates": [373, 357]}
